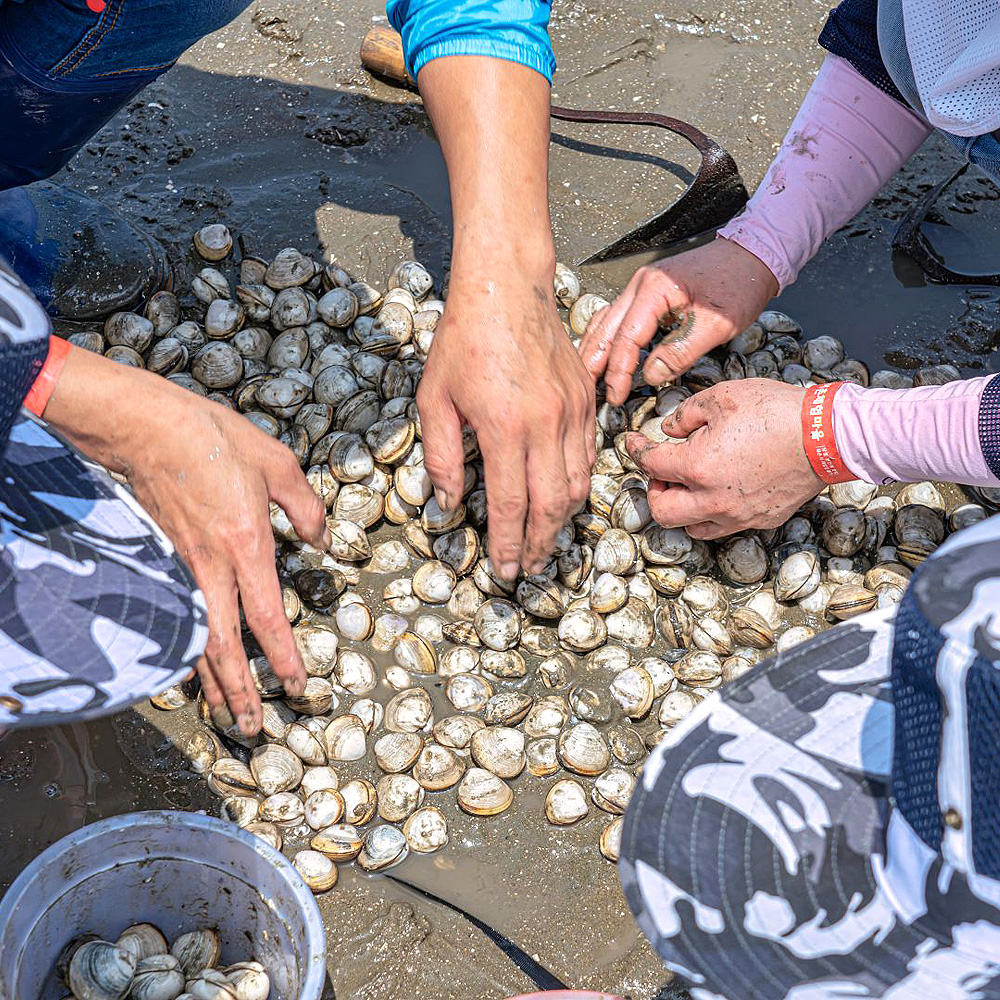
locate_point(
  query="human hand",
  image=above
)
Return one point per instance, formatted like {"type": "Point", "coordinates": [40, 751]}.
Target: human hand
{"type": "Point", "coordinates": [502, 363]}
{"type": "Point", "coordinates": [714, 291]}
{"type": "Point", "coordinates": [738, 461]}
{"type": "Point", "coordinates": [206, 475]}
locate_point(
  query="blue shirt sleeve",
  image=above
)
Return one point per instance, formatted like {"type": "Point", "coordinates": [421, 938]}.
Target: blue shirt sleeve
{"type": "Point", "coordinates": [516, 30]}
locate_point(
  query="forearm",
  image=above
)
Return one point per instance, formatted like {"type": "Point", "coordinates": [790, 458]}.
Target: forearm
{"type": "Point", "coordinates": [104, 408]}
{"type": "Point", "coordinates": [847, 140]}
{"type": "Point", "coordinates": [492, 119]}
{"type": "Point", "coordinates": [948, 432]}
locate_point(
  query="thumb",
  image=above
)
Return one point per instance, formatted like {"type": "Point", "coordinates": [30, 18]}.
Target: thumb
{"type": "Point", "coordinates": [441, 432]}
{"type": "Point", "coordinates": [685, 419]}
{"type": "Point", "coordinates": [697, 334]}
{"type": "Point", "coordinates": [290, 490]}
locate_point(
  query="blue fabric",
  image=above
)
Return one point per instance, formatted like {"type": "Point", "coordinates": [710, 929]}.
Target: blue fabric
{"type": "Point", "coordinates": [989, 425]}
{"type": "Point", "coordinates": [869, 35]}
{"type": "Point", "coordinates": [70, 46]}
{"type": "Point", "coordinates": [947, 598]}
{"type": "Point", "coordinates": [982, 150]}
{"type": "Point", "coordinates": [65, 71]}
{"type": "Point", "coordinates": [851, 32]}
{"type": "Point", "coordinates": [515, 30]}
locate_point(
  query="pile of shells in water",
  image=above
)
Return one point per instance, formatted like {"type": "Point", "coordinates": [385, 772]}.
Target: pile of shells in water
{"type": "Point", "coordinates": [568, 677]}
{"type": "Point", "coordinates": [141, 965]}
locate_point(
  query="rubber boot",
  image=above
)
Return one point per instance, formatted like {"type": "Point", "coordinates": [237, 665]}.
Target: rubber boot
{"type": "Point", "coordinates": [81, 259]}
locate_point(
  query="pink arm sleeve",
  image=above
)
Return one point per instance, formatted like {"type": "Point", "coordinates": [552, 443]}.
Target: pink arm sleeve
{"type": "Point", "coordinates": [847, 140]}
{"type": "Point", "coordinates": [931, 432]}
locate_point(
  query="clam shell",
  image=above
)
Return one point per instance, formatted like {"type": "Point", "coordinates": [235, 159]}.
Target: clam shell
{"type": "Point", "coordinates": [100, 970]}
{"type": "Point", "coordinates": [229, 776]}
{"type": "Point", "coordinates": [250, 981]}
{"type": "Point", "coordinates": [348, 540]}
{"type": "Point", "coordinates": [497, 624]}
{"type": "Point", "coordinates": [611, 839]}
{"type": "Point", "coordinates": [143, 941]}
{"type": "Point", "coordinates": [339, 842]}
{"type": "Point", "coordinates": [849, 600]}
{"type": "Point", "coordinates": [434, 582]}
{"type": "Point", "coordinates": [410, 711]}
{"type": "Point", "coordinates": [398, 796]}
{"type": "Point", "coordinates": [438, 767]}
{"type": "Point", "coordinates": [634, 692]}
{"type": "Point", "coordinates": [306, 744]}
{"type": "Point", "coordinates": [456, 731]}
{"type": "Point", "coordinates": [751, 629]}
{"type": "Point", "coordinates": [355, 671]}
{"type": "Point", "coordinates": [284, 809]}
{"type": "Point", "coordinates": [323, 808]}
{"type": "Point", "coordinates": [275, 769]}
{"type": "Point", "coordinates": [797, 577]}
{"type": "Point", "coordinates": [581, 630]}
{"type": "Point", "coordinates": [157, 978]}
{"type": "Point", "coordinates": [346, 739]}
{"type": "Point", "coordinates": [360, 801]}
{"type": "Point", "coordinates": [267, 832]}
{"type": "Point", "coordinates": [566, 802]}
{"type": "Point", "coordinates": [613, 789]}
{"type": "Point", "coordinates": [198, 949]}
{"type": "Point", "coordinates": [317, 870]}
{"type": "Point", "coordinates": [318, 778]}
{"type": "Point", "coordinates": [582, 750]}
{"type": "Point", "coordinates": [482, 793]}
{"type": "Point", "coordinates": [383, 847]}
{"type": "Point", "coordinates": [743, 559]}
{"type": "Point", "coordinates": [499, 749]}
{"type": "Point", "coordinates": [316, 698]}
{"type": "Point", "coordinates": [468, 692]}
{"type": "Point", "coordinates": [541, 757]}
{"type": "Point", "coordinates": [426, 830]}
{"type": "Point", "coordinates": [397, 752]}
{"type": "Point", "coordinates": [507, 708]}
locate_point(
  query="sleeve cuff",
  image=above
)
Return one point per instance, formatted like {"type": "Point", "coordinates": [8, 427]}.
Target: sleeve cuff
{"type": "Point", "coordinates": [541, 60]}
{"type": "Point", "coordinates": [741, 232]}
{"type": "Point", "coordinates": [989, 425]}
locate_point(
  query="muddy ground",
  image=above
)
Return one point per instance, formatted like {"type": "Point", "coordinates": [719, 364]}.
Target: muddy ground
{"type": "Point", "coordinates": [272, 127]}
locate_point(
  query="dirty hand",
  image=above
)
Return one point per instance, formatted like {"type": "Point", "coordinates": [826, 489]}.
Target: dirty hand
{"type": "Point", "coordinates": [738, 461]}
{"type": "Point", "coordinates": [502, 363]}
{"type": "Point", "coordinates": [713, 291]}
{"type": "Point", "coordinates": [206, 475]}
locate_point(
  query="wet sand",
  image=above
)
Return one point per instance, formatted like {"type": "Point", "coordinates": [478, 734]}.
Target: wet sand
{"type": "Point", "coordinates": [272, 127]}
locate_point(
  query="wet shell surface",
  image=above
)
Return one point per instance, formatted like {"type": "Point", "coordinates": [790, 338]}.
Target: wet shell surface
{"type": "Point", "coordinates": [482, 793]}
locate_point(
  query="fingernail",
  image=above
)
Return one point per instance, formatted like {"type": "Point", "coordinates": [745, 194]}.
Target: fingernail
{"type": "Point", "coordinates": [294, 686]}
{"type": "Point", "coordinates": [508, 570]}
{"type": "Point", "coordinates": [442, 499]}
{"type": "Point", "coordinates": [656, 372]}
{"type": "Point", "coordinates": [327, 539]}
{"type": "Point", "coordinates": [248, 723]}
{"type": "Point", "coordinates": [535, 568]}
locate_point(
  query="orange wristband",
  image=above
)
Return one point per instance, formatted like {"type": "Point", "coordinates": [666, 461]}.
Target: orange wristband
{"type": "Point", "coordinates": [42, 388]}
{"type": "Point", "coordinates": [817, 434]}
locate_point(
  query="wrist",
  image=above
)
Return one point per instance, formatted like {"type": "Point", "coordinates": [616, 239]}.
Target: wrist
{"type": "Point", "coordinates": [495, 253]}
{"type": "Point", "coordinates": [818, 433]}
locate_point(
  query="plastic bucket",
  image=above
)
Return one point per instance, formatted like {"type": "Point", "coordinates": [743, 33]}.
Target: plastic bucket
{"type": "Point", "coordinates": [176, 870]}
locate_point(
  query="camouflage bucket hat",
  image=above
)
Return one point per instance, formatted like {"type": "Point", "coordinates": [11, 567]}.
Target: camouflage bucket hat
{"type": "Point", "coordinates": [96, 610]}
{"type": "Point", "coordinates": [828, 826]}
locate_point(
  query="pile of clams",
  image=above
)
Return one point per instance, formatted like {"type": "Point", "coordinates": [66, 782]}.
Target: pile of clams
{"type": "Point", "coordinates": [434, 685]}
{"type": "Point", "coordinates": [141, 965]}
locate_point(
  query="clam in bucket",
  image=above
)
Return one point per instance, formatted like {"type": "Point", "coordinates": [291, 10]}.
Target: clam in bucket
{"type": "Point", "coordinates": [179, 871]}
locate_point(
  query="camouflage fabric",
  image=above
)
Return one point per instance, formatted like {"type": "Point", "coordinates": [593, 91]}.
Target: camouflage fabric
{"type": "Point", "coordinates": [96, 610]}
{"type": "Point", "coordinates": [762, 853]}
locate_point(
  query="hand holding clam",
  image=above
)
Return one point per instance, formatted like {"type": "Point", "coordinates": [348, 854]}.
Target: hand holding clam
{"type": "Point", "coordinates": [502, 363]}
{"type": "Point", "coordinates": [713, 292]}
{"type": "Point", "coordinates": [739, 464]}
{"type": "Point", "coordinates": [207, 475]}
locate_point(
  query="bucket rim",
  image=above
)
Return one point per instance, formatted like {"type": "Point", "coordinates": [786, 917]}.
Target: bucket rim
{"type": "Point", "coordinates": [314, 974]}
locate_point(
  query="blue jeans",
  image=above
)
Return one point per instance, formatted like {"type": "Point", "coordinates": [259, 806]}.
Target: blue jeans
{"type": "Point", "coordinates": [66, 69]}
